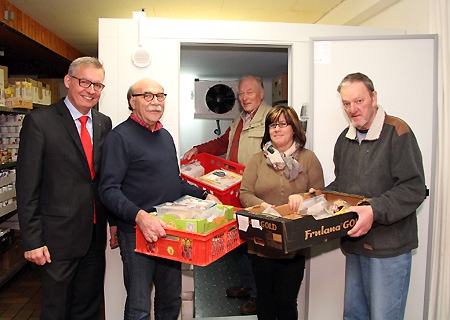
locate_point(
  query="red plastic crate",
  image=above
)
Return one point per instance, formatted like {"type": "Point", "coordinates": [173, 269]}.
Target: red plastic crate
{"type": "Point", "coordinates": [229, 196]}
{"type": "Point", "coordinates": [192, 248]}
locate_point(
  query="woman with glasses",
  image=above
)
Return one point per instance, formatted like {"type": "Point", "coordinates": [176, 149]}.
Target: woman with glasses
{"type": "Point", "coordinates": [279, 174]}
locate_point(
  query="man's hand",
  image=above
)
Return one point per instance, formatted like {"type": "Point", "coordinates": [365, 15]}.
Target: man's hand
{"type": "Point", "coordinates": [113, 241]}
{"type": "Point", "coordinates": [39, 256]}
{"type": "Point", "coordinates": [212, 197]}
{"type": "Point", "coordinates": [151, 227]}
{"type": "Point", "coordinates": [188, 155]}
{"type": "Point", "coordinates": [365, 220]}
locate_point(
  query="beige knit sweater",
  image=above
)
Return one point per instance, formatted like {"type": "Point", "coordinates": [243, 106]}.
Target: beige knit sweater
{"type": "Point", "coordinates": [261, 183]}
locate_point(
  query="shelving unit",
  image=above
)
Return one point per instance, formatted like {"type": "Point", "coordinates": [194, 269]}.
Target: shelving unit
{"type": "Point", "coordinates": [11, 259]}
{"type": "Point", "coordinates": [30, 49]}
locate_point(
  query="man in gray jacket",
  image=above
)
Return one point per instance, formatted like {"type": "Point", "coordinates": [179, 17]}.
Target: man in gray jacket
{"type": "Point", "coordinates": [378, 157]}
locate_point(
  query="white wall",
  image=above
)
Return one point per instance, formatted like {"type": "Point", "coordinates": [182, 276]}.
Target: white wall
{"type": "Point", "coordinates": [395, 78]}
{"type": "Point", "coordinates": [409, 15]}
{"type": "Point", "coordinates": [118, 38]}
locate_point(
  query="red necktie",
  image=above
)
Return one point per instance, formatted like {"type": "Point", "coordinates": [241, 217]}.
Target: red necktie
{"type": "Point", "coordinates": [87, 146]}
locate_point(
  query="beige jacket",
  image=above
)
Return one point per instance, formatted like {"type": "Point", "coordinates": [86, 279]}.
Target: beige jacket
{"type": "Point", "coordinates": [251, 136]}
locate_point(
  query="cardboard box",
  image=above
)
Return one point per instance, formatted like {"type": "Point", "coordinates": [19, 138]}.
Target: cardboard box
{"type": "Point", "coordinates": [5, 75]}
{"type": "Point", "coordinates": [40, 92]}
{"type": "Point", "coordinates": [280, 88]}
{"type": "Point", "coordinates": [53, 86]}
{"type": "Point", "coordinates": [2, 88]}
{"type": "Point", "coordinates": [187, 309]}
{"type": "Point", "coordinates": [23, 93]}
{"type": "Point", "coordinates": [13, 255]}
{"type": "Point", "coordinates": [187, 281]}
{"type": "Point", "coordinates": [293, 232]}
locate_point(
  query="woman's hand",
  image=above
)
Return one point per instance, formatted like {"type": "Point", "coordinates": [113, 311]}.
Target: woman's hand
{"type": "Point", "coordinates": [265, 205]}
{"type": "Point", "coordinates": [295, 202]}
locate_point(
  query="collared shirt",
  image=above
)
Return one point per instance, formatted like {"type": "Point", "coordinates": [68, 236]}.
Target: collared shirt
{"type": "Point", "coordinates": [142, 123]}
{"type": "Point", "coordinates": [76, 114]}
{"type": "Point", "coordinates": [247, 117]}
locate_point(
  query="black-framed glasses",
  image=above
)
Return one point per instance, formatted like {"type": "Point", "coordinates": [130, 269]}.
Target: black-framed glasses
{"type": "Point", "coordinates": [84, 83]}
{"type": "Point", "coordinates": [280, 124]}
{"type": "Point", "coordinates": [148, 96]}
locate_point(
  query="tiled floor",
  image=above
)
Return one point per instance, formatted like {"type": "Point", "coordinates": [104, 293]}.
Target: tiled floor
{"type": "Point", "coordinates": [20, 297]}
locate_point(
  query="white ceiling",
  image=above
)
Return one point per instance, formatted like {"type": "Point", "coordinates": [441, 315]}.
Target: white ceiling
{"type": "Point", "coordinates": [76, 21]}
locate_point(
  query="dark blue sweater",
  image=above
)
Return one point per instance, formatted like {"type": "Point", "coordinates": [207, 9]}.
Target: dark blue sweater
{"type": "Point", "coordinates": [139, 170]}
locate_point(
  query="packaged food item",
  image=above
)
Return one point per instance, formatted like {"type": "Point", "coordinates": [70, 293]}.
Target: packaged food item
{"type": "Point", "coordinates": [320, 208]}
{"type": "Point", "coordinates": [193, 169]}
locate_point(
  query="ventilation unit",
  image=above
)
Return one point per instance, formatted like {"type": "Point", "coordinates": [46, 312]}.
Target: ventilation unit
{"type": "Point", "coordinates": [216, 99]}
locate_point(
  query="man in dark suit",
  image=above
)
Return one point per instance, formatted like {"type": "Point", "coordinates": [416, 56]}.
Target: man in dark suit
{"type": "Point", "coordinates": [62, 222]}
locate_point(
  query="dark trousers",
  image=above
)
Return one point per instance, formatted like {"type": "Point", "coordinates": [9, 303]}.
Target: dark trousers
{"type": "Point", "coordinates": [278, 282]}
{"type": "Point", "coordinates": [73, 289]}
{"type": "Point", "coordinates": [245, 270]}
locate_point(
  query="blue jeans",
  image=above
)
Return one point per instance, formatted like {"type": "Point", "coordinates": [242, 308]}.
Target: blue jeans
{"type": "Point", "coordinates": [139, 273]}
{"type": "Point", "coordinates": [376, 288]}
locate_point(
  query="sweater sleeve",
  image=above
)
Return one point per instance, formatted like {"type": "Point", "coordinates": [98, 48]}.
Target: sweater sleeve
{"type": "Point", "coordinates": [315, 173]}
{"type": "Point", "coordinates": [115, 161]}
{"type": "Point", "coordinates": [217, 147]}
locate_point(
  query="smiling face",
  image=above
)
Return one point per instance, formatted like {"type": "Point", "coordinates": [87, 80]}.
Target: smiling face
{"type": "Point", "coordinates": [360, 104]}
{"type": "Point", "coordinates": [83, 99]}
{"type": "Point", "coordinates": [251, 94]}
{"type": "Point", "coordinates": [148, 111]}
{"type": "Point", "coordinates": [282, 138]}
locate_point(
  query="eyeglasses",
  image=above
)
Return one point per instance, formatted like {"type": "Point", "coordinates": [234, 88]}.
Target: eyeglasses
{"type": "Point", "coordinates": [281, 125]}
{"type": "Point", "coordinates": [84, 83]}
{"type": "Point", "coordinates": [148, 96]}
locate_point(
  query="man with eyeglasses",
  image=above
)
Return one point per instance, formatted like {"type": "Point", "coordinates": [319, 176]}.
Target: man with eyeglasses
{"type": "Point", "coordinates": [139, 171]}
{"type": "Point", "coordinates": [239, 142]}
{"type": "Point", "coordinates": [62, 222]}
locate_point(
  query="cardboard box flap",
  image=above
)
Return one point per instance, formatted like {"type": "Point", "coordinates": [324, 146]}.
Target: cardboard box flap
{"type": "Point", "coordinates": [351, 199]}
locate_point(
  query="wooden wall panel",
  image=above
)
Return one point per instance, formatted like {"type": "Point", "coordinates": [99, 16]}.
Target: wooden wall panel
{"type": "Point", "coordinates": [33, 30]}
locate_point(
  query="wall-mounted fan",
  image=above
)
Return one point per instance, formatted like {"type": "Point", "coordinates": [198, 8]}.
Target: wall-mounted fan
{"type": "Point", "coordinates": [216, 100]}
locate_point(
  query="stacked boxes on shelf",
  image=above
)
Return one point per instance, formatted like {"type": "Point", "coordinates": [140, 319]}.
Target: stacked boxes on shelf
{"type": "Point", "coordinates": [187, 292]}
{"type": "Point", "coordinates": [280, 88]}
{"type": "Point", "coordinates": [7, 191]}
{"type": "Point", "coordinates": [11, 254]}
{"type": "Point", "coordinates": [3, 84]}
{"type": "Point", "coordinates": [10, 125]}
{"type": "Point", "coordinates": [23, 92]}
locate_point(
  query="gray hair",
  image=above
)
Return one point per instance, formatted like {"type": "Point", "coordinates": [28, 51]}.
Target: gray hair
{"type": "Point", "coordinates": [357, 77]}
{"type": "Point", "coordinates": [85, 61]}
{"type": "Point", "coordinates": [256, 78]}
